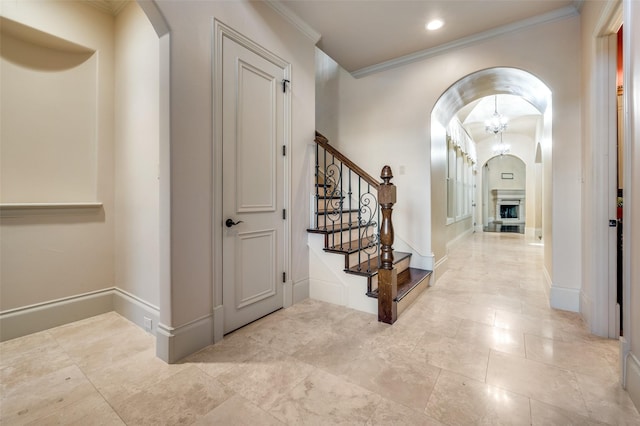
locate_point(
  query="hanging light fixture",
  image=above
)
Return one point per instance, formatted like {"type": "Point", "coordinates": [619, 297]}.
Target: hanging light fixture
{"type": "Point", "coordinates": [501, 148]}
{"type": "Point", "coordinates": [497, 123]}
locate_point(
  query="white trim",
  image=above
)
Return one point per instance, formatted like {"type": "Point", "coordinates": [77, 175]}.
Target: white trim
{"type": "Point", "coordinates": [457, 240]}
{"type": "Point", "coordinates": [30, 209]}
{"type": "Point", "coordinates": [53, 313]}
{"type": "Point", "coordinates": [175, 343]}
{"type": "Point", "coordinates": [441, 266]}
{"type": "Point", "coordinates": [566, 12]}
{"type": "Point", "coordinates": [632, 377]}
{"type": "Point", "coordinates": [219, 31]}
{"type": "Point", "coordinates": [301, 290]}
{"type": "Point", "coordinates": [42, 316]}
{"type": "Point", "coordinates": [135, 309]}
{"type": "Point", "coordinates": [294, 20]}
{"type": "Point", "coordinates": [566, 299]}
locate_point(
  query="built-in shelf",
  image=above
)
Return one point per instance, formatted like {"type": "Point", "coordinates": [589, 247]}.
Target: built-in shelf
{"type": "Point", "coordinates": [24, 209]}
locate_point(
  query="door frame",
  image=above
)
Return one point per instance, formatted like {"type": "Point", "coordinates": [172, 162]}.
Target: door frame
{"type": "Point", "coordinates": [601, 302]}
{"type": "Point", "coordinates": [221, 30]}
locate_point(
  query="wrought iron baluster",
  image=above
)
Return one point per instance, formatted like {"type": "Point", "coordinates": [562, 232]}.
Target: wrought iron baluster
{"type": "Point", "coordinates": [317, 199]}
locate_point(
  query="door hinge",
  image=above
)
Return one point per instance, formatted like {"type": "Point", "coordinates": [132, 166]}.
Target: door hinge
{"type": "Point", "coordinates": [284, 214]}
{"type": "Point", "coordinates": [284, 150]}
{"type": "Point", "coordinates": [284, 277]}
{"type": "Point", "coordinates": [284, 85]}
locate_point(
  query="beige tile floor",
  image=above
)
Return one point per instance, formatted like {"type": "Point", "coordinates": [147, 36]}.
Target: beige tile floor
{"type": "Point", "coordinates": [480, 347]}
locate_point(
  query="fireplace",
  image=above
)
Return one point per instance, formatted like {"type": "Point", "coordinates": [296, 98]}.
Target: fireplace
{"type": "Point", "coordinates": [509, 212]}
{"type": "Point", "coordinates": [509, 206]}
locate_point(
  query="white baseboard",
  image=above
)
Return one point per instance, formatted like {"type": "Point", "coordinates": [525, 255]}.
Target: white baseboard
{"type": "Point", "coordinates": [457, 240]}
{"type": "Point", "coordinates": [175, 343]}
{"type": "Point", "coordinates": [439, 268]}
{"type": "Point", "coordinates": [218, 323]}
{"type": "Point", "coordinates": [301, 290]}
{"type": "Point", "coordinates": [566, 299]}
{"type": "Point", "coordinates": [42, 316]}
{"type": "Point", "coordinates": [136, 310]}
{"type": "Point", "coordinates": [632, 378]}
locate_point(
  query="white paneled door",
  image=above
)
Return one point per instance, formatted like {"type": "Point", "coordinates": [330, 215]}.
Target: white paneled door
{"type": "Point", "coordinates": [253, 185]}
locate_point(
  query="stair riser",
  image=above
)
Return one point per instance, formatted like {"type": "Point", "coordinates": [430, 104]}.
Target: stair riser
{"type": "Point", "coordinates": [353, 259]}
{"type": "Point", "coordinates": [338, 238]}
{"type": "Point", "coordinates": [400, 267]}
{"type": "Point", "coordinates": [408, 299]}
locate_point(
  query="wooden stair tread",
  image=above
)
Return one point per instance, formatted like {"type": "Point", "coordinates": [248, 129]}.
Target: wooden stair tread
{"type": "Point", "coordinates": [369, 269]}
{"type": "Point", "coordinates": [407, 281]}
{"type": "Point", "coordinates": [330, 229]}
{"type": "Point", "coordinates": [337, 211]}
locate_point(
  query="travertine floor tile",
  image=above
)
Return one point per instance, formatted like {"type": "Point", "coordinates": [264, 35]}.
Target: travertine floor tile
{"type": "Point", "coordinates": [467, 359]}
{"type": "Point", "coordinates": [496, 338]}
{"type": "Point", "coordinates": [92, 410]}
{"type": "Point", "coordinates": [544, 415]}
{"type": "Point", "coordinates": [458, 400]}
{"type": "Point", "coordinates": [536, 380]}
{"type": "Point", "coordinates": [180, 399]}
{"type": "Point", "coordinates": [237, 411]}
{"type": "Point", "coordinates": [400, 377]}
{"type": "Point", "coordinates": [43, 396]}
{"type": "Point", "coordinates": [323, 398]}
{"type": "Point", "coordinates": [265, 377]}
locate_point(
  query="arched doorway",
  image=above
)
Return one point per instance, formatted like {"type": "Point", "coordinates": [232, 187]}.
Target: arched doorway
{"type": "Point", "coordinates": [454, 105]}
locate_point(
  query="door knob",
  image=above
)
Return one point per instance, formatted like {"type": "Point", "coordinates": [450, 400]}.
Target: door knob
{"type": "Point", "coordinates": [230, 223]}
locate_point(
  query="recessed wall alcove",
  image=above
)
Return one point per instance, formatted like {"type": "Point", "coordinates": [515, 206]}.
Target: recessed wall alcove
{"type": "Point", "coordinates": [48, 93]}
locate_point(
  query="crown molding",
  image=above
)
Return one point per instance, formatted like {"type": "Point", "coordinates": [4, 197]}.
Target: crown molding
{"type": "Point", "coordinates": [112, 7]}
{"type": "Point", "coordinates": [294, 20]}
{"type": "Point", "coordinates": [555, 15]}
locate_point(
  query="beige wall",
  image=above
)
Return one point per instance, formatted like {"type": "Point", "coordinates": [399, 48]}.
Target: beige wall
{"type": "Point", "coordinates": [53, 254]}
{"type": "Point", "coordinates": [137, 109]}
{"type": "Point", "coordinates": [192, 296]}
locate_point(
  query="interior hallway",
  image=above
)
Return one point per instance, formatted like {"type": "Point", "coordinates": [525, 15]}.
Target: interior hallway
{"type": "Point", "coordinates": [480, 347]}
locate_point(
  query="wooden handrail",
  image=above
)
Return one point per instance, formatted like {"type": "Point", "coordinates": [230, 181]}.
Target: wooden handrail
{"type": "Point", "coordinates": [324, 143]}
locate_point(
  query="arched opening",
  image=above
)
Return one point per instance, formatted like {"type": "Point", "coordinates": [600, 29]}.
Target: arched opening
{"type": "Point", "coordinates": [528, 136]}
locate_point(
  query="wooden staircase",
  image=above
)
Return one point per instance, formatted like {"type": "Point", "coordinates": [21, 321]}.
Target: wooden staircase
{"type": "Point", "coordinates": [348, 206]}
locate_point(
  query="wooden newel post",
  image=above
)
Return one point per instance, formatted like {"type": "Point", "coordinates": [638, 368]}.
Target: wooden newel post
{"type": "Point", "coordinates": [387, 274]}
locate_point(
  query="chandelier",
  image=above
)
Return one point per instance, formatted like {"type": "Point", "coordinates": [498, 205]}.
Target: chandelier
{"type": "Point", "coordinates": [501, 148]}
{"type": "Point", "coordinates": [497, 123]}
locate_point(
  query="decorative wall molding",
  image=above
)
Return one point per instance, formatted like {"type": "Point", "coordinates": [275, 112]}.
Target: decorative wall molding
{"type": "Point", "coordinates": [294, 20]}
{"type": "Point", "coordinates": [33, 209]}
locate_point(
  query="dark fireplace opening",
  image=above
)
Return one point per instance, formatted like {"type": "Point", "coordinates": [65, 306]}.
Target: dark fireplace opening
{"type": "Point", "coordinates": [508, 212]}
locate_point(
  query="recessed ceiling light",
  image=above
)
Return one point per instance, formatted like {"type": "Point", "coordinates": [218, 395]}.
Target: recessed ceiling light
{"type": "Point", "coordinates": [434, 25]}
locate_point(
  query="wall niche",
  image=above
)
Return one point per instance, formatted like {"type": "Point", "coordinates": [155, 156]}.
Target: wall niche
{"type": "Point", "coordinates": [48, 101]}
